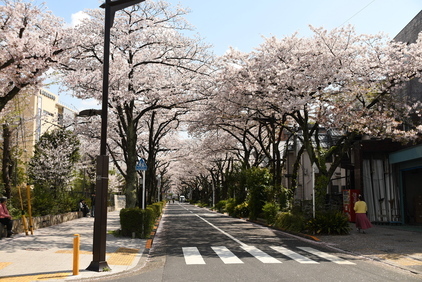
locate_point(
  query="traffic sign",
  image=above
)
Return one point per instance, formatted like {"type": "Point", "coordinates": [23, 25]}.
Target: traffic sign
{"type": "Point", "coordinates": [141, 165]}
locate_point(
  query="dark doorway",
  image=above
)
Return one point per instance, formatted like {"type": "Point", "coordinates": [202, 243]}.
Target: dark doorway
{"type": "Point", "coordinates": [412, 192]}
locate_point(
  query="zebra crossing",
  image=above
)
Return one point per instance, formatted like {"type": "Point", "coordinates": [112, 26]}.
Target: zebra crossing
{"type": "Point", "coordinates": [193, 256]}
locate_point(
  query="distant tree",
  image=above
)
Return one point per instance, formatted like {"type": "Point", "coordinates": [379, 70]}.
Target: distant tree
{"type": "Point", "coordinates": [51, 170]}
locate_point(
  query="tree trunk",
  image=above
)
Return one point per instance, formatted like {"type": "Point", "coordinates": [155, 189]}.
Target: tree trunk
{"type": "Point", "coordinates": [131, 174]}
{"type": "Point", "coordinates": [7, 161]}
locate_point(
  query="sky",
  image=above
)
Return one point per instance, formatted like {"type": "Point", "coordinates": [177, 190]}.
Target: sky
{"type": "Point", "coordinates": [243, 24]}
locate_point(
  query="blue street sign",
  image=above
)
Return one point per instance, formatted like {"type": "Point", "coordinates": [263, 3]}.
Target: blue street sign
{"type": "Point", "coordinates": [141, 165]}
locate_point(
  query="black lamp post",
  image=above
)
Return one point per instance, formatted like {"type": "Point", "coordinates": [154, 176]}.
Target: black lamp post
{"type": "Point", "coordinates": [99, 262]}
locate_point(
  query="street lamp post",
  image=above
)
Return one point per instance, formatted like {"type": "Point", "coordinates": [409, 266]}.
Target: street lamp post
{"type": "Point", "coordinates": [99, 262]}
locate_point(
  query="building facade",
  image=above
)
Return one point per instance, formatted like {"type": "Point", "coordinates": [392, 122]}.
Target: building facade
{"type": "Point", "coordinates": [40, 112]}
{"type": "Point", "coordinates": [389, 174]}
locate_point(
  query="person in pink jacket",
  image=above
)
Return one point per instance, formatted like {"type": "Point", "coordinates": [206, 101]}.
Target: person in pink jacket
{"type": "Point", "coordinates": [362, 221]}
{"type": "Point", "coordinates": [5, 217]}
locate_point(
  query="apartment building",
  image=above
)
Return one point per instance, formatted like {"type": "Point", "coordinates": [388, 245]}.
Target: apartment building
{"type": "Point", "coordinates": [39, 112]}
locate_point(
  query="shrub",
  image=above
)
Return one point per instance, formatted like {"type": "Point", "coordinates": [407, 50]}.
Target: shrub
{"type": "Point", "coordinates": [140, 221]}
{"type": "Point", "coordinates": [157, 208]}
{"type": "Point", "coordinates": [201, 204]}
{"type": "Point", "coordinates": [270, 211]}
{"type": "Point", "coordinates": [241, 210]}
{"type": "Point", "coordinates": [289, 221]}
{"type": "Point", "coordinates": [137, 220]}
{"type": "Point", "coordinates": [329, 222]}
{"type": "Point", "coordinates": [221, 206]}
{"type": "Point", "coordinates": [257, 181]}
{"type": "Point", "coordinates": [230, 206]}
{"type": "Point", "coordinates": [43, 204]}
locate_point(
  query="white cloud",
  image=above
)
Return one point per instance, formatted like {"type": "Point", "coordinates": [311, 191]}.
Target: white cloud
{"type": "Point", "coordinates": [78, 17]}
{"type": "Point", "coordinates": [90, 103]}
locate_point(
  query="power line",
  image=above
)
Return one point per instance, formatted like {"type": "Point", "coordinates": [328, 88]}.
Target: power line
{"type": "Point", "coordinates": [357, 12]}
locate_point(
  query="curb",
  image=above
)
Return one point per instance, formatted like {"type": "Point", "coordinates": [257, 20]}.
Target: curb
{"type": "Point", "coordinates": [148, 244]}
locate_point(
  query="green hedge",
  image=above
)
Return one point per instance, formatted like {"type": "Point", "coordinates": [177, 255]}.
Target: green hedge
{"type": "Point", "coordinates": [270, 211]}
{"type": "Point", "coordinates": [158, 208]}
{"type": "Point", "coordinates": [289, 221]}
{"type": "Point", "coordinates": [329, 222]}
{"type": "Point", "coordinates": [230, 206]}
{"type": "Point", "coordinates": [241, 210]}
{"type": "Point", "coordinates": [221, 206]}
{"type": "Point", "coordinates": [140, 221]}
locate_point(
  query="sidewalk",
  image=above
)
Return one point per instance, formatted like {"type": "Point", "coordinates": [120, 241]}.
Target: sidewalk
{"type": "Point", "coordinates": [397, 246]}
{"type": "Point", "coordinates": [48, 253]}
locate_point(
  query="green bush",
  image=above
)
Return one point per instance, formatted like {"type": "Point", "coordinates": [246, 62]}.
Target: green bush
{"type": "Point", "coordinates": [137, 220]}
{"type": "Point", "coordinates": [257, 181]}
{"type": "Point", "coordinates": [140, 221]}
{"type": "Point", "coordinates": [14, 212]}
{"type": "Point", "coordinates": [221, 206]}
{"type": "Point", "coordinates": [201, 204]}
{"type": "Point", "coordinates": [43, 204]}
{"type": "Point", "coordinates": [241, 210]}
{"type": "Point", "coordinates": [230, 206]}
{"type": "Point", "coordinates": [270, 211]}
{"type": "Point", "coordinates": [289, 221]}
{"type": "Point", "coordinates": [329, 222]}
{"type": "Point", "coordinates": [157, 208]}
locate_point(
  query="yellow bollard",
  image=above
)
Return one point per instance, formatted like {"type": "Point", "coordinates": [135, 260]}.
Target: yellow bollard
{"type": "Point", "coordinates": [25, 226]}
{"type": "Point", "coordinates": [76, 254]}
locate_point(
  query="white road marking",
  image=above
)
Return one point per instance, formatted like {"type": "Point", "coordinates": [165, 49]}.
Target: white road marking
{"type": "Point", "coordinates": [323, 255]}
{"type": "Point", "coordinates": [225, 233]}
{"type": "Point", "coordinates": [293, 255]}
{"type": "Point", "coordinates": [192, 255]}
{"type": "Point", "coordinates": [260, 255]}
{"type": "Point", "coordinates": [226, 255]}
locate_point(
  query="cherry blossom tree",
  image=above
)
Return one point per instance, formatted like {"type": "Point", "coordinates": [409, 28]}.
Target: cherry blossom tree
{"type": "Point", "coordinates": [335, 80]}
{"type": "Point", "coordinates": [51, 170]}
{"type": "Point", "coordinates": [154, 67]}
{"type": "Point", "coordinates": [31, 42]}
{"type": "Point", "coordinates": [244, 114]}
{"type": "Point", "coordinates": [201, 164]}
{"type": "Point", "coordinates": [341, 81]}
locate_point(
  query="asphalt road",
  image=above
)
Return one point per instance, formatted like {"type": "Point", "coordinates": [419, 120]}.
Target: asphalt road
{"type": "Point", "coordinates": [195, 244]}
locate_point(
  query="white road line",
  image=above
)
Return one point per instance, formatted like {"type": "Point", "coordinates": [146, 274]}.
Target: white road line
{"type": "Point", "coordinates": [226, 255]}
{"type": "Point", "coordinates": [293, 255]}
{"type": "Point", "coordinates": [327, 256]}
{"type": "Point", "coordinates": [192, 255]}
{"type": "Point", "coordinates": [225, 233]}
{"type": "Point", "coordinates": [260, 255]}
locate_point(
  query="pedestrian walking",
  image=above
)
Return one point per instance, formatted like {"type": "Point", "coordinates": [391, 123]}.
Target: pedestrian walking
{"type": "Point", "coordinates": [92, 204]}
{"type": "Point", "coordinates": [362, 221]}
